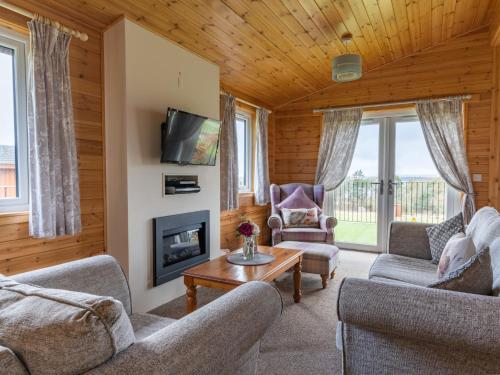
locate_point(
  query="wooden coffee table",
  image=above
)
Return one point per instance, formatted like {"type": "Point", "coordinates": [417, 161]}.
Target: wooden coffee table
{"type": "Point", "coordinates": [219, 273]}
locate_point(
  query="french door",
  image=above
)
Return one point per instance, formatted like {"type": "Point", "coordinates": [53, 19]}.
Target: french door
{"type": "Point", "coordinates": [392, 177]}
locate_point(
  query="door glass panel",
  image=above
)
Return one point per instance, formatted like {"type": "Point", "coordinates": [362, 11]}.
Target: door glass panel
{"type": "Point", "coordinates": [419, 191]}
{"type": "Point", "coordinates": [355, 202]}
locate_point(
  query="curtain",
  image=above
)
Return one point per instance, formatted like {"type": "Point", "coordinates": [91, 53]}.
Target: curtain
{"type": "Point", "coordinates": [340, 132]}
{"type": "Point", "coordinates": [53, 167]}
{"type": "Point", "coordinates": [228, 155]}
{"type": "Point", "coordinates": [442, 125]}
{"type": "Point", "coordinates": [261, 184]}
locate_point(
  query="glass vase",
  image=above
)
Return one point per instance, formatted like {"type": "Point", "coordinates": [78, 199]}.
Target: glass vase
{"type": "Point", "coordinates": [249, 247]}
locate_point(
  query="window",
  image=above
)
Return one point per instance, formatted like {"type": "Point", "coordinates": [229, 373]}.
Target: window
{"type": "Point", "coordinates": [244, 139]}
{"type": "Point", "coordinates": [13, 128]}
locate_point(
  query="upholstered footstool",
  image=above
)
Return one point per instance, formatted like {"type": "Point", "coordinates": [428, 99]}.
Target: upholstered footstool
{"type": "Point", "coordinates": [320, 258]}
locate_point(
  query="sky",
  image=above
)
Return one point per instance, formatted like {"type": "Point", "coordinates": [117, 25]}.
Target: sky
{"type": "Point", "coordinates": [6, 100]}
{"type": "Point", "coordinates": [412, 156]}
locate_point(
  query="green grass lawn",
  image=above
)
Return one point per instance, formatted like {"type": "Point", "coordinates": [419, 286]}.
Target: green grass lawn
{"type": "Point", "coordinates": [363, 233]}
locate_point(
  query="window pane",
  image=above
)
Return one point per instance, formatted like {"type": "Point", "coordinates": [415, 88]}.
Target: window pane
{"type": "Point", "coordinates": [241, 135]}
{"type": "Point", "coordinates": [8, 173]}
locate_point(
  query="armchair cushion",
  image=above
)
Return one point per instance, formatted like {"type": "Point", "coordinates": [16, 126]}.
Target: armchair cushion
{"type": "Point", "coordinates": [440, 234]}
{"type": "Point", "coordinates": [66, 332]}
{"type": "Point", "coordinates": [300, 217]}
{"type": "Point", "coordinates": [298, 199]}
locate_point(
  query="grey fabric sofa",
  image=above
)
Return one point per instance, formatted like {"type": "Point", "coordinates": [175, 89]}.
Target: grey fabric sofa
{"type": "Point", "coordinates": [393, 324]}
{"type": "Point", "coordinates": [222, 337]}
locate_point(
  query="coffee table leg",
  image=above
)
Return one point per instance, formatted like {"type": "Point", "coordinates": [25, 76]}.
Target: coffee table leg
{"type": "Point", "coordinates": [297, 280]}
{"type": "Point", "coordinates": [190, 294]}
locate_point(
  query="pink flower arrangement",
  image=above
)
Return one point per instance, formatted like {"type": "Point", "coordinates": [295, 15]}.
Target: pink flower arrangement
{"type": "Point", "coordinates": [247, 228]}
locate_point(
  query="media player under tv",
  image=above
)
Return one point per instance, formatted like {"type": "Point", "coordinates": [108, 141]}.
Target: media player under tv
{"type": "Point", "coordinates": [180, 184]}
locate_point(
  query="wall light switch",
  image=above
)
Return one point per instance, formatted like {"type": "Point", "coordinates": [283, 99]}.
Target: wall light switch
{"type": "Point", "coordinates": [477, 177]}
{"type": "Point", "coordinates": [180, 81]}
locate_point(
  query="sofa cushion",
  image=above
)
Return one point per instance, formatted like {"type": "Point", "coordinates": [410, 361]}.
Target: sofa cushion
{"type": "Point", "coordinates": [304, 234]}
{"type": "Point", "coordinates": [440, 234]}
{"type": "Point", "coordinates": [409, 270]}
{"type": "Point", "coordinates": [10, 364]}
{"type": "Point", "coordinates": [484, 227]}
{"type": "Point", "coordinates": [474, 276]}
{"type": "Point", "coordinates": [458, 250]}
{"type": "Point", "coordinates": [61, 332]}
{"type": "Point", "coordinates": [495, 266]}
{"type": "Point", "coordinates": [145, 325]}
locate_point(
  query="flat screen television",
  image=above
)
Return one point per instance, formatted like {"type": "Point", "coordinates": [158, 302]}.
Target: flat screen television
{"type": "Point", "coordinates": [187, 138]}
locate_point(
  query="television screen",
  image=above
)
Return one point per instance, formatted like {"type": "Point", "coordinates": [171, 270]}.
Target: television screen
{"type": "Point", "coordinates": [189, 139]}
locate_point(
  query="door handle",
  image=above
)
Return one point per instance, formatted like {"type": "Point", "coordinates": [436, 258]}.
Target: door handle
{"type": "Point", "coordinates": [381, 186]}
{"type": "Point", "coordinates": [390, 187]}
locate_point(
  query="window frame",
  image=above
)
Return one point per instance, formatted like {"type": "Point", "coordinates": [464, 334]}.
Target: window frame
{"type": "Point", "coordinates": [19, 44]}
{"type": "Point", "coordinates": [245, 116]}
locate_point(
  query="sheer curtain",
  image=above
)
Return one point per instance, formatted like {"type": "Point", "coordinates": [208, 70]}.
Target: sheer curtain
{"type": "Point", "coordinates": [443, 129]}
{"type": "Point", "coordinates": [261, 185]}
{"type": "Point", "coordinates": [53, 166]}
{"type": "Point", "coordinates": [228, 154]}
{"type": "Point", "coordinates": [340, 132]}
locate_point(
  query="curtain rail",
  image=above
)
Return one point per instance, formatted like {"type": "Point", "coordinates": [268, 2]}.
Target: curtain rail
{"type": "Point", "coordinates": [388, 104]}
{"type": "Point", "coordinates": [77, 34]}
{"type": "Point", "coordinates": [244, 101]}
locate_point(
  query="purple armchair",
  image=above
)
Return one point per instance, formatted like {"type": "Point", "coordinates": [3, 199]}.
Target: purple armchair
{"type": "Point", "coordinates": [326, 223]}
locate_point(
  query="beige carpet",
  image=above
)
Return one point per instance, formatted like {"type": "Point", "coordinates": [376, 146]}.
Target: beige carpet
{"type": "Point", "coordinates": [303, 340]}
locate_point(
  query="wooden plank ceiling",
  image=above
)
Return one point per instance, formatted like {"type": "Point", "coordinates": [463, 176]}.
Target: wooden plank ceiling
{"type": "Point", "coordinates": [279, 50]}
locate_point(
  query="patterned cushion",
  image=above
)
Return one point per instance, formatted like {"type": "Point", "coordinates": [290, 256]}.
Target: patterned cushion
{"type": "Point", "coordinates": [474, 276]}
{"type": "Point", "coordinates": [61, 331]}
{"type": "Point", "coordinates": [303, 234]}
{"type": "Point", "coordinates": [300, 217]}
{"type": "Point", "coordinates": [459, 249]}
{"type": "Point", "coordinates": [298, 199]}
{"type": "Point", "coordinates": [440, 234]}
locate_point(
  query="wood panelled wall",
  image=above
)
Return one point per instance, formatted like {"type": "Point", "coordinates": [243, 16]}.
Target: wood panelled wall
{"type": "Point", "coordinates": [247, 208]}
{"type": "Point", "coordinates": [19, 252]}
{"type": "Point", "coordinates": [461, 66]}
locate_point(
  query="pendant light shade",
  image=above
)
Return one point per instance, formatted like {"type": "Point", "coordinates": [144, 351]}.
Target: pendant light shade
{"type": "Point", "coordinates": [347, 68]}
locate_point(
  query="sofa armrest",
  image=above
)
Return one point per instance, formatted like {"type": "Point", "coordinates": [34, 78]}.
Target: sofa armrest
{"type": "Point", "coordinates": [327, 222]}
{"type": "Point", "coordinates": [100, 275]}
{"type": "Point", "coordinates": [275, 222]}
{"type": "Point", "coordinates": [409, 239]}
{"type": "Point", "coordinates": [460, 320]}
{"type": "Point", "coordinates": [219, 338]}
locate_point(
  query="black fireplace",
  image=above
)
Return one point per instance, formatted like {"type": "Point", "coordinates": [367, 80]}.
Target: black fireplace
{"type": "Point", "coordinates": [180, 242]}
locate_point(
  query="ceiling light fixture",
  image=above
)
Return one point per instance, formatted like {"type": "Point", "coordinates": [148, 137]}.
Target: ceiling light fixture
{"type": "Point", "coordinates": [349, 66]}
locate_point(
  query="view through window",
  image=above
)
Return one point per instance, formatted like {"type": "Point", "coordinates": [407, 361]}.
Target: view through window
{"type": "Point", "coordinates": [13, 129]}
{"type": "Point", "coordinates": [8, 168]}
{"type": "Point", "coordinates": [243, 136]}
{"type": "Point", "coordinates": [412, 188]}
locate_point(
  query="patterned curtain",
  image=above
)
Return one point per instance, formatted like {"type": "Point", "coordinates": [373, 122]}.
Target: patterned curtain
{"type": "Point", "coordinates": [53, 167]}
{"type": "Point", "coordinates": [443, 129]}
{"type": "Point", "coordinates": [340, 133]}
{"type": "Point", "coordinates": [228, 154]}
{"type": "Point", "coordinates": [261, 184]}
